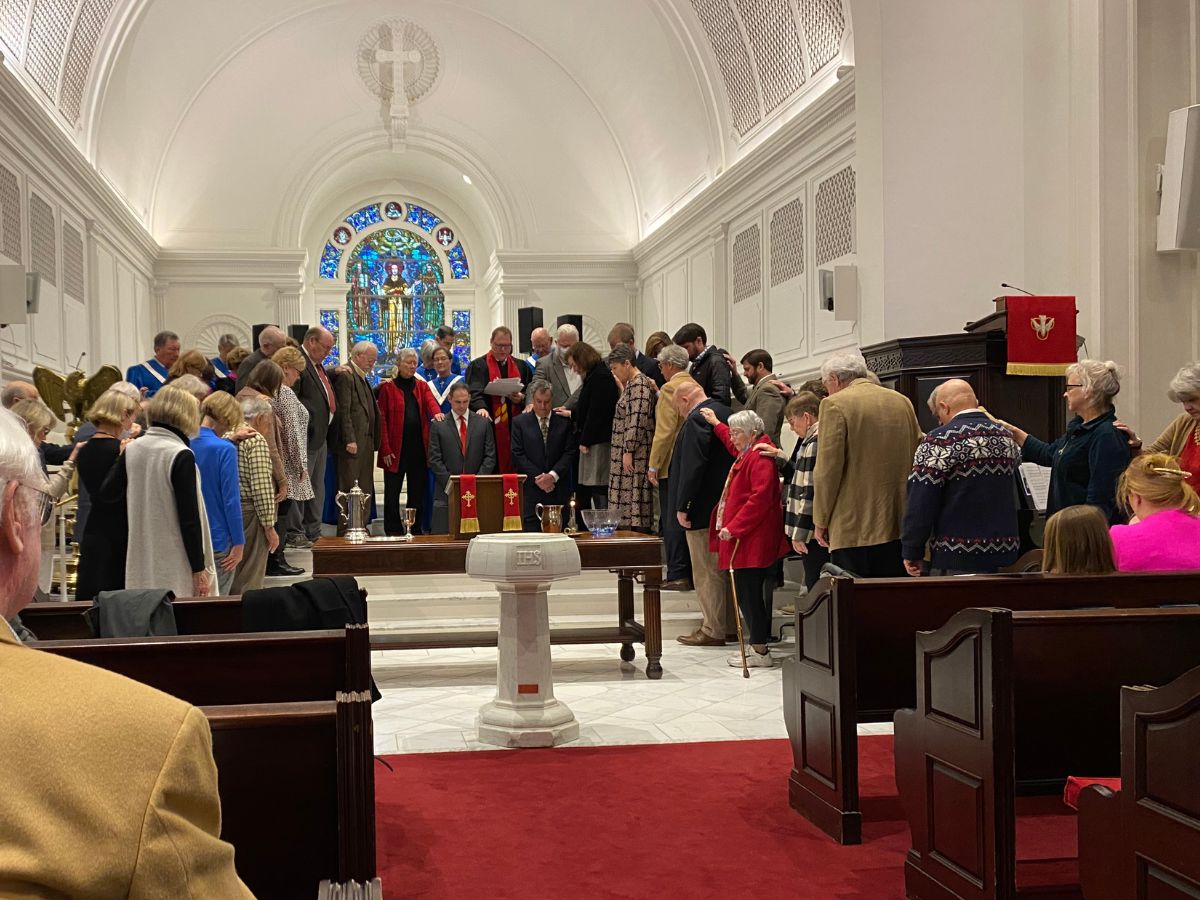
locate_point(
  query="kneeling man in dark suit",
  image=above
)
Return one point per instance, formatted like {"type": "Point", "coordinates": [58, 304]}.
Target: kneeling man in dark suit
{"type": "Point", "coordinates": [460, 444]}
{"type": "Point", "coordinates": [543, 450]}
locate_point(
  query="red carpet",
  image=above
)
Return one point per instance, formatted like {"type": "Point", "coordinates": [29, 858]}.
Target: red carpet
{"type": "Point", "coordinates": [662, 820]}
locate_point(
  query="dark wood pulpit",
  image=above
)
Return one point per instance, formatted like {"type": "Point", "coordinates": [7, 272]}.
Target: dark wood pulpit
{"type": "Point", "coordinates": [491, 506]}
{"type": "Point", "coordinates": [915, 366]}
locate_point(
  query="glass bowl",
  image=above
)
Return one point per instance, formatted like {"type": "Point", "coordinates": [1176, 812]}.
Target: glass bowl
{"type": "Point", "coordinates": [601, 522]}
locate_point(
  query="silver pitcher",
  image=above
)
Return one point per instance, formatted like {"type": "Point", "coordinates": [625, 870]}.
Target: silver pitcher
{"type": "Point", "coordinates": [355, 507]}
{"type": "Point", "coordinates": [551, 516]}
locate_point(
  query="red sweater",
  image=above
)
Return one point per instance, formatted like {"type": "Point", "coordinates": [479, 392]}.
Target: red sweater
{"type": "Point", "coordinates": [391, 419]}
{"type": "Point", "coordinates": [753, 510]}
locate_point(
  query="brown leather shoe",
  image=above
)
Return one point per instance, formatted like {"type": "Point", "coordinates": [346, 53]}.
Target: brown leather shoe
{"type": "Point", "coordinates": [700, 639]}
{"type": "Point", "coordinates": [677, 584]}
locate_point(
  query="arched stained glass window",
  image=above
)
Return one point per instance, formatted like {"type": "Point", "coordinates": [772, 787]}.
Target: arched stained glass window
{"type": "Point", "coordinates": [394, 298]}
{"type": "Point", "coordinates": [330, 260]}
{"type": "Point", "coordinates": [423, 218]}
{"type": "Point", "coordinates": [364, 218]}
{"type": "Point", "coordinates": [458, 262]}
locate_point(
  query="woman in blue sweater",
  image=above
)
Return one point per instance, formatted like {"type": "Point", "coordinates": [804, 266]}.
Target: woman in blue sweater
{"type": "Point", "coordinates": [1086, 462]}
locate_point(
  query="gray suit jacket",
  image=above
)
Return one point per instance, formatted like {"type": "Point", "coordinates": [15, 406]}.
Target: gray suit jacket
{"type": "Point", "coordinates": [553, 370]}
{"type": "Point", "coordinates": [445, 451]}
{"type": "Point", "coordinates": [764, 398]}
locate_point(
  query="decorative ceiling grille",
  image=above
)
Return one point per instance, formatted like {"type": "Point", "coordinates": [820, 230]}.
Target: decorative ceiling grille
{"type": "Point", "coordinates": [92, 17]}
{"type": "Point", "coordinates": [72, 262]}
{"type": "Point", "coordinates": [778, 53]}
{"type": "Point", "coordinates": [824, 26]}
{"type": "Point", "coordinates": [787, 242]}
{"type": "Point", "coordinates": [10, 215]}
{"type": "Point", "coordinates": [835, 216]}
{"type": "Point", "coordinates": [47, 40]}
{"type": "Point", "coordinates": [41, 239]}
{"type": "Point", "coordinates": [730, 50]}
{"type": "Point", "coordinates": [12, 24]}
{"type": "Point", "coordinates": [747, 264]}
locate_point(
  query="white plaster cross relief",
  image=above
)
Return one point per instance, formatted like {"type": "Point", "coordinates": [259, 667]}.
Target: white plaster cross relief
{"type": "Point", "coordinates": [396, 119]}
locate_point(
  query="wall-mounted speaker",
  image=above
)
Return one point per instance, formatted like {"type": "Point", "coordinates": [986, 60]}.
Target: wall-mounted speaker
{"type": "Point", "coordinates": [528, 318]}
{"type": "Point", "coordinates": [571, 319]}
{"type": "Point", "coordinates": [13, 294]}
{"type": "Point", "coordinates": [33, 291]}
{"type": "Point", "coordinates": [1179, 206]}
{"type": "Point", "coordinates": [297, 332]}
{"type": "Point", "coordinates": [837, 292]}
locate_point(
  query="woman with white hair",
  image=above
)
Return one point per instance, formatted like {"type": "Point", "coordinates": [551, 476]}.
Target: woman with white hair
{"type": "Point", "coordinates": [1181, 439]}
{"type": "Point", "coordinates": [169, 543]}
{"type": "Point", "coordinates": [406, 407]}
{"type": "Point", "coordinates": [746, 530]}
{"type": "Point", "coordinates": [1086, 462]}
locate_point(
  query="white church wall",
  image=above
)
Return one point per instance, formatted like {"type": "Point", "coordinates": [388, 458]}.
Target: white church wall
{"type": "Point", "coordinates": [58, 218]}
{"type": "Point", "coordinates": [743, 258]}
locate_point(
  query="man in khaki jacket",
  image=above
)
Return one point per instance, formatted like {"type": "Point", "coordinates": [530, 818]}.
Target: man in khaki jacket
{"type": "Point", "coordinates": [108, 788]}
{"type": "Point", "coordinates": [673, 362]}
{"type": "Point", "coordinates": [356, 422]}
{"type": "Point", "coordinates": [868, 436]}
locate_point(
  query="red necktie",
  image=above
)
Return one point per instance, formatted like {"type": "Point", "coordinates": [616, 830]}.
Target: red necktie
{"type": "Point", "coordinates": [462, 434]}
{"type": "Point", "coordinates": [328, 389]}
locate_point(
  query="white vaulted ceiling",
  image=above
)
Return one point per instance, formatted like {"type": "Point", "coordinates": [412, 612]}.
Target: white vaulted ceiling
{"type": "Point", "coordinates": [582, 124]}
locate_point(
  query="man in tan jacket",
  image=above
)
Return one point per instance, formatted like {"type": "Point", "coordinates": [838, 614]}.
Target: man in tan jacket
{"type": "Point", "coordinates": [673, 362]}
{"type": "Point", "coordinates": [108, 788]}
{"type": "Point", "coordinates": [868, 436]}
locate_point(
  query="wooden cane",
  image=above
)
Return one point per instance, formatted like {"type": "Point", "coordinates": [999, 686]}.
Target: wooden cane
{"type": "Point", "coordinates": [737, 610]}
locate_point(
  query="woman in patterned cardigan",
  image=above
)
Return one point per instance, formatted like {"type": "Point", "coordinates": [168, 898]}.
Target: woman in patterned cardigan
{"type": "Point", "coordinates": [629, 454]}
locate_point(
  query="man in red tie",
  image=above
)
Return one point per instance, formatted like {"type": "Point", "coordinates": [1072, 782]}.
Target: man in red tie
{"type": "Point", "coordinates": [496, 364]}
{"type": "Point", "coordinates": [461, 444]}
{"type": "Point", "coordinates": [316, 393]}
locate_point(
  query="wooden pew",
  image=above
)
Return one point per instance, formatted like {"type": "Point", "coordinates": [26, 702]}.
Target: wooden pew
{"type": "Point", "coordinates": [271, 670]}
{"type": "Point", "coordinates": [53, 621]}
{"type": "Point", "coordinates": [296, 801]}
{"type": "Point", "coordinates": [233, 669]}
{"type": "Point", "coordinates": [1144, 840]}
{"type": "Point", "coordinates": [854, 662]}
{"type": "Point", "coordinates": [1012, 703]}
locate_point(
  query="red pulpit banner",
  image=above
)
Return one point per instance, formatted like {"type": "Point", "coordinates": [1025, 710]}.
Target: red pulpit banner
{"type": "Point", "coordinates": [468, 505]}
{"type": "Point", "coordinates": [1041, 335]}
{"type": "Point", "coordinates": [510, 488]}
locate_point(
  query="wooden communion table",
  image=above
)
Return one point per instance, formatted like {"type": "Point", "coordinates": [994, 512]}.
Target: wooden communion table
{"type": "Point", "coordinates": [629, 555]}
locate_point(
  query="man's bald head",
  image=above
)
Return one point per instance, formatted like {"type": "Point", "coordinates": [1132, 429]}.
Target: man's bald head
{"type": "Point", "coordinates": [270, 340]}
{"type": "Point", "coordinates": [16, 391]}
{"type": "Point", "coordinates": [950, 398]}
{"type": "Point", "coordinates": [688, 396]}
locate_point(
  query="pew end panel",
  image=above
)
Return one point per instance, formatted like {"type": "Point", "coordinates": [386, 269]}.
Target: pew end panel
{"type": "Point", "coordinates": [950, 776]}
{"type": "Point", "coordinates": [1144, 841]}
{"type": "Point", "coordinates": [819, 711]}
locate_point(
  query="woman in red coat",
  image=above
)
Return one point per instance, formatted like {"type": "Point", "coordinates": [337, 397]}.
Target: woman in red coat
{"type": "Point", "coordinates": [406, 406]}
{"type": "Point", "coordinates": [746, 529]}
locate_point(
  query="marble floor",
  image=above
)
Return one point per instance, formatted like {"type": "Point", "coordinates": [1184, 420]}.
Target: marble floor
{"type": "Point", "coordinates": [431, 697]}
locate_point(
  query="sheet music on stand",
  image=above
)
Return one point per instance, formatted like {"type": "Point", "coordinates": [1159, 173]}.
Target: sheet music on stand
{"type": "Point", "coordinates": [1036, 481]}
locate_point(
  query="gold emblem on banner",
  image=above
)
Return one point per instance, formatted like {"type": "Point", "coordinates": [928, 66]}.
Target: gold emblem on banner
{"type": "Point", "coordinates": [1042, 326]}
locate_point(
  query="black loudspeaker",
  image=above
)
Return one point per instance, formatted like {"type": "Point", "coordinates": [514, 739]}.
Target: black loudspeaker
{"type": "Point", "coordinates": [297, 332]}
{"type": "Point", "coordinates": [572, 319]}
{"type": "Point", "coordinates": [256, 330]}
{"type": "Point", "coordinates": [528, 318]}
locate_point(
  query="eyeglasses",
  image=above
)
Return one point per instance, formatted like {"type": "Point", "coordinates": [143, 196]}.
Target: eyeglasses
{"type": "Point", "coordinates": [1069, 386]}
{"type": "Point", "coordinates": [44, 502]}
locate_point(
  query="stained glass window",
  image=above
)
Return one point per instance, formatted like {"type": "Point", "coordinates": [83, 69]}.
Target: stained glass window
{"type": "Point", "coordinates": [423, 218]}
{"type": "Point", "coordinates": [458, 262]}
{"type": "Point", "coordinates": [331, 320]}
{"type": "Point", "coordinates": [393, 298]}
{"type": "Point", "coordinates": [365, 217]}
{"type": "Point", "coordinates": [462, 337]}
{"type": "Point", "coordinates": [394, 210]}
{"type": "Point", "coordinates": [330, 260]}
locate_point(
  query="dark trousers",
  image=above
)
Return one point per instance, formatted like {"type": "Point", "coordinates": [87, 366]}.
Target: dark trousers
{"type": "Point", "coordinates": [816, 557]}
{"type": "Point", "coordinates": [679, 563]}
{"type": "Point", "coordinates": [284, 516]}
{"type": "Point", "coordinates": [875, 561]}
{"type": "Point", "coordinates": [591, 496]}
{"type": "Point", "coordinates": [412, 470]}
{"type": "Point", "coordinates": [756, 597]}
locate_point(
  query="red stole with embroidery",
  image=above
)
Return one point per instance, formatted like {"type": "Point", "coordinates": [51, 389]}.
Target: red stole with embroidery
{"type": "Point", "coordinates": [501, 416]}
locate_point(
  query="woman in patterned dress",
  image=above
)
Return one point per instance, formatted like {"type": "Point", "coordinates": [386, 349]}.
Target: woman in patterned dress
{"type": "Point", "coordinates": [633, 429]}
{"type": "Point", "coordinates": [293, 439]}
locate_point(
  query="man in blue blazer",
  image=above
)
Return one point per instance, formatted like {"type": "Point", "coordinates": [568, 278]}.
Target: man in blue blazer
{"type": "Point", "coordinates": [543, 450]}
